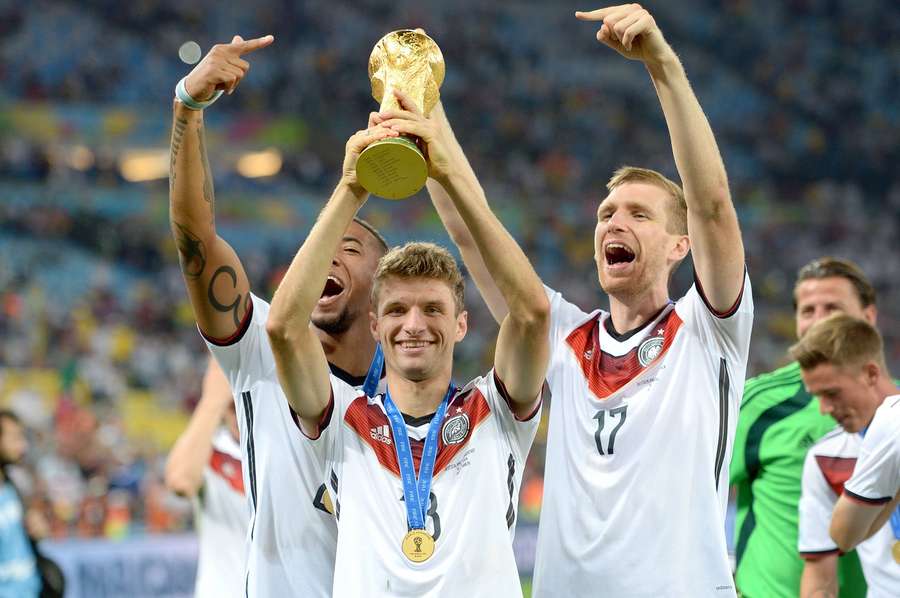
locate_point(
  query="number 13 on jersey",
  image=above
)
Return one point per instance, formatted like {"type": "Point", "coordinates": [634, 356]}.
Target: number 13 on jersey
{"type": "Point", "coordinates": [616, 415]}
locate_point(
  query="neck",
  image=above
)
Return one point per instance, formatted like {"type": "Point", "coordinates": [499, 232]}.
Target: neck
{"type": "Point", "coordinates": [885, 388]}
{"type": "Point", "coordinates": [629, 312]}
{"type": "Point", "coordinates": [351, 351]}
{"type": "Point", "coordinates": [417, 398]}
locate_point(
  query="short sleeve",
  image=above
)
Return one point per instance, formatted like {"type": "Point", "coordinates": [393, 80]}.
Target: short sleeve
{"type": "Point", "coordinates": [327, 444]}
{"type": "Point", "coordinates": [564, 316]}
{"type": "Point", "coordinates": [246, 357]}
{"type": "Point", "coordinates": [817, 501]}
{"type": "Point", "coordinates": [729, 330]}
{"type": "Point", "coordinates": [519, 432]}
{"type": "Point", "coordinates": [876, 478]}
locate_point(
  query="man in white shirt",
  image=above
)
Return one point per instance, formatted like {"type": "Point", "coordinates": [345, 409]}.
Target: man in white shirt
{"type": "Point", "coordinates": [645, 396]}
{"type": "Point", "coordinates": [842, 362]}
{"type": "Point", "coordinates": [292, 534]}
{"type": "Point", "coordinates": [427, 475]}
{"type": "Point", "coordinates": [205, 466]}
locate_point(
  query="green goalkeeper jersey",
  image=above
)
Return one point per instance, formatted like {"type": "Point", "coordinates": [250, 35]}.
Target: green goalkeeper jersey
{"type": "Point", "coordinates": [777, 424]}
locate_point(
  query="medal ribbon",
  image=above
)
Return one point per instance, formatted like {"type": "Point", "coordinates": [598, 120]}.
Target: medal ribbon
{"type": "Point", "coordinates": [416, 494]}
{"type": "Point", "coordinates": [373, 376]}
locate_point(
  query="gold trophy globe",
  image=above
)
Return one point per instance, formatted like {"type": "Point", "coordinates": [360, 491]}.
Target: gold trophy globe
{"type": "Point", "coordinates": [409, 61]}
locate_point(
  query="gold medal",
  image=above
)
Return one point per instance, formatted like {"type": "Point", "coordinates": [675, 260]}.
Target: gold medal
{"type": "Point", "coordinates": [418, 545]}
{"type": "Point", "coordinates": [895, 550]}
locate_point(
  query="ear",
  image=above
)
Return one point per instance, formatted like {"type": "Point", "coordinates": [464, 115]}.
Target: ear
{"type": "Point", "coordinates": [872, 373]}
{"type": "Point", "coordinates": [462, 325]}
{"type": "Point", "coordinates": [681, 249]}
{"type": "Point", "coordinates": [373, 325]}
{"type": "Point", "coordinates": [870, 314]}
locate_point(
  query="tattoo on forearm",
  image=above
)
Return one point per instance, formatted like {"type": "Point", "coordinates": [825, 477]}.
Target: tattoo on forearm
{"type": "Point", "coordinates": [177, 136]}
{"type": "Point", "coordinates": [235, 306]}
{"type": "Point", "coordinates": [208, 192]}
{"type": "Point", "coordinates": [191, 251]}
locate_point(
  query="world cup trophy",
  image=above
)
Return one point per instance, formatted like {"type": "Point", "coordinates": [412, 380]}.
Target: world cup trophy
{"type": "Point", "coordinates": [408, 61]}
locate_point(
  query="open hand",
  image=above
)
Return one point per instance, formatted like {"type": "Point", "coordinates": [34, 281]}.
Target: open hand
{"type": "Point", "coordinates": [223, 68]}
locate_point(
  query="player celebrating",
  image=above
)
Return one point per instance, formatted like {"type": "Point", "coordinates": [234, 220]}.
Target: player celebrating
{"type": "Point", "coordinates": [778, 422]}
{"type": "Point", "coordinates": [426, 475]}
{"type": "Point", "coordinates": [645, 395]}
{"type": "Point", "coordinates": [204, 465]}
{"type": "Point", "coordinates": [842, 363]}
{"type": "Point", "coordinates": [293, 535]}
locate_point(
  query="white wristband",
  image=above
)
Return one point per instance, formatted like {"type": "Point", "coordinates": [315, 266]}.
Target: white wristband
{"type": "Point", "coordinates": [185, 98]}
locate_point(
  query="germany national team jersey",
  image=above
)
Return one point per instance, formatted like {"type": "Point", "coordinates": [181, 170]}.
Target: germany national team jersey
{"type": "Point", "coordinates": [474, 495]}
{"type": "Point", "coordinates": [778, 423]}
{"type": "Point", "coordinates": [292, 535]}
{"type": "Point", "coordinates": [829, 464]}
{"type": "Point", "coordinates": [641, 426]}
{"type": "Point", "coordinates": [221, 522]}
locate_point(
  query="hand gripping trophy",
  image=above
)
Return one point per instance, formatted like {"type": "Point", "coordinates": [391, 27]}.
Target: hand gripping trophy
{"type": "Point", "coordinates": [411, 62]}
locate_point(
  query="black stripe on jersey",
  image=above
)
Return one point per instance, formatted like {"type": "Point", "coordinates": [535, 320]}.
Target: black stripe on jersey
{"type": "Point", "coordinates": [511, 511]}
{"type": "Point", "coordinates": [868, 501]}
{"type": "Point", "coordinates": [817, 554]}
{"type": "Point", "coordinates": [721, 446]}
{"type": "Point", "coordinates": [337, 503]}
{"type": "Point", "coordinates": [766, 419]}
{"type": "Point", "coordinates": [251, 450]}
{"type": "Point", "coordinates": [251, 467]}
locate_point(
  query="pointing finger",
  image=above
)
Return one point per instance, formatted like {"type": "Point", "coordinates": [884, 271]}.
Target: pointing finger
{"type": "Point", "coordinates": [594, 15]}
{"type": "Point", "coordinates": [251, 45]}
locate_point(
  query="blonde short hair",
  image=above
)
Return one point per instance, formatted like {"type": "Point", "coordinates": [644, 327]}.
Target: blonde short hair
{"type": "Point", "coordinates": [840, 340]}
{"type": "Point", "coordinates": [677, 209]}
{"type": "Point", "coordinates": [420, 260]}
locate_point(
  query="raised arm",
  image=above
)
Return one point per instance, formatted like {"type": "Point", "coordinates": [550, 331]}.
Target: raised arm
{"type": "Point", "coordinates": [522, 351]}
{"type": "Point", "coordinates": [718, 251]}
{"type": "Point", "coordinates": [216, 282]}
{"type": "Point", "coordinates": [457, 229]}
{"type": "Point", "coordinates": [299, 357]}
{"type": "Point", "coordinates": [192, 450]}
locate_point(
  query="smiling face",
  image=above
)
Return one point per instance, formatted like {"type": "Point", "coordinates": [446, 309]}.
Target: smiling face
{"type": "Point", "coordinates": [417, 323]}
{"type": "Point", "coordinates": [848, 393]}
{"type": "Point", "coordinates": [633, 248]}
{"type": "Point", "coordinates": [348, 290]}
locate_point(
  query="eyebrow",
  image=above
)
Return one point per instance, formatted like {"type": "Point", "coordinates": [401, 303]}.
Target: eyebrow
{"type": "Point", "coordinates": [349, 239]}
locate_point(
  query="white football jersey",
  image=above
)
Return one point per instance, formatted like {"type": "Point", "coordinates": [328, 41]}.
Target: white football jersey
{"type": "Point", "coordinates": [876, 479]}
{"type": "Point", "coordinates": [474, 494]}
{"type": "Point", "coordinates": [292, 534]}
{"type": "Point", "coordinates": [829, 464]}
{"type": "Point", "coordinates": [641, 429]}
{"type": "Point", "coordinates": [222, 521]}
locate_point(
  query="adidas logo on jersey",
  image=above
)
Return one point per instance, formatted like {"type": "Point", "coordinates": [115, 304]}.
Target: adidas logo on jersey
{"type": "Point", "coordinates": [381, 433]}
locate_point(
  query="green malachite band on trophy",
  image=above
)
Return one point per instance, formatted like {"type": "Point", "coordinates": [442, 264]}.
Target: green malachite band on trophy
{"type": "Point", "coordinates": [393, 168]}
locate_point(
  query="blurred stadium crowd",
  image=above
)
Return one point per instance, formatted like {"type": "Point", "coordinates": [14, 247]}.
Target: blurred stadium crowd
{"type": "Point", "coordinates": [98, 351]}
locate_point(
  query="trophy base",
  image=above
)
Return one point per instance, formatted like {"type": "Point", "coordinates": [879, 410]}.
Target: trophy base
{"type": "Point", "coordinates": [393, 168]}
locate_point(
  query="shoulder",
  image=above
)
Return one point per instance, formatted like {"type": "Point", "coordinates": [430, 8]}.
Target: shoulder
{"type": "Point", "coordinates": [773, 387]}
{"type": "Point", "coordinates": [833, 443]}
{"type": "Point", "coordinates": [886, 423]}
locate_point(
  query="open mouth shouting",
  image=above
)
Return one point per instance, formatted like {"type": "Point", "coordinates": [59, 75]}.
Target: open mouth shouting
{"type": "Point", "coordinates": [617, 256]}
{"type": "Point", "coordinates": [334, 288]}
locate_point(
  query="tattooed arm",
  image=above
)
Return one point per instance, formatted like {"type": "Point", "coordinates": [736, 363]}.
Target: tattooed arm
{"type": "Point", "coordinates": [216, 282]}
